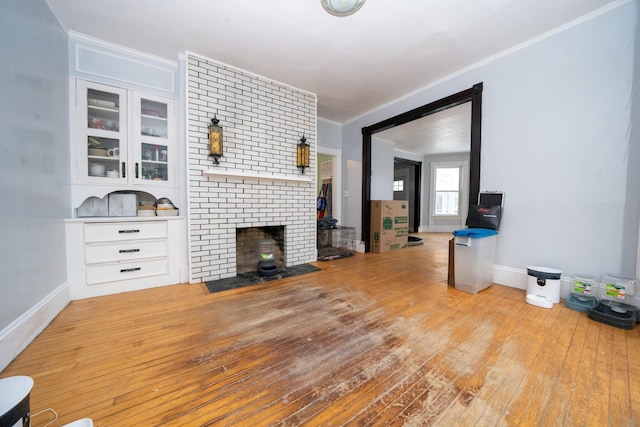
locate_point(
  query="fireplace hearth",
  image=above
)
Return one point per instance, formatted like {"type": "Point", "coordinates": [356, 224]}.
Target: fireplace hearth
{"type": "Point", "coordinates": [254, 278]}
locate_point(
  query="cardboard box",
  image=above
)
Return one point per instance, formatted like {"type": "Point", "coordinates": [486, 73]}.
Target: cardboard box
{"type": "Point", "coordinates": [389, 225]}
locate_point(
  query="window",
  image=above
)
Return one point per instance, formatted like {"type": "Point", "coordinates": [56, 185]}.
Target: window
{"type": "Point", "coordinates": [447, 190]}
{"type": "Point", "coordinates": [398, 185]}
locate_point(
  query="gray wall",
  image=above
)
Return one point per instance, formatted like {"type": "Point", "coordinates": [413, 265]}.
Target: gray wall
{"type": "Point", "coordinates": [331, 134]}
{"type": "Point", "coordinates": [632, 197]}
{"type": "Point", "coordinates": [381, 169]}
{"type": "Point", "coordinates": [556, 120]}
{"type": "Point", "coordinates": [34, 155]}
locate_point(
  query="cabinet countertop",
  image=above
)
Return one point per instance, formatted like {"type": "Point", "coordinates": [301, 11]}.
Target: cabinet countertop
{"type": "Point", "coordinates": [122, 219]}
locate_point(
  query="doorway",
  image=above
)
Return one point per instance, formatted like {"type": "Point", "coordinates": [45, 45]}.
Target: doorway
{"type": "Point", "coordinates": [329, 182]}
{"type": "Point", "coordinates": [407, 175]}
{"type": "Point", "coordinates": [473, 95]}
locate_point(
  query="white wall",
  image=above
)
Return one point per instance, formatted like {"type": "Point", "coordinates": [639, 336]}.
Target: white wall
{"type": "Point", "coordinates": [34, 165]}
{"type": "Point", "coordinates": [261, 133]}
{"type": "Point", "coordinates": [556, 116]}
{"type": "Point", "coordinates": [630, 244]}
{"type": "Point", "coordinates": [329, 134]}
{"type": "Point", "coordinates": [559, 148]}
{"type": "Point", "coordinates": [381, 170]}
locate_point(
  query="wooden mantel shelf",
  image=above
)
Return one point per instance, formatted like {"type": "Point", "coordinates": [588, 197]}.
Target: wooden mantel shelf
{"type": "Point", "coordinates": [254, 175]}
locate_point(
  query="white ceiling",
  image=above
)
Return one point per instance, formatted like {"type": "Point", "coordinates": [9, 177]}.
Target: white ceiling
{"type": "Point", "coordinates": [447, 131]}
{"type": "Point", "coordinates": [354, 64]}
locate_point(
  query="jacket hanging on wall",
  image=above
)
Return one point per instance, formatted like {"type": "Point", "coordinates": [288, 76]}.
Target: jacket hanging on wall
{"type": "Point", "coordinates": [323, 198]}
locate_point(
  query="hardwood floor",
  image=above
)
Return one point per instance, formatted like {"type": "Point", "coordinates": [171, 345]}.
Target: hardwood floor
{"type": "Point", "coordinates": [375, 339]}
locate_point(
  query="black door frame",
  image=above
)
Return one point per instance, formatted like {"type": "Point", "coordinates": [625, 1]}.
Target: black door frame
{"type": "Point", "coordinates": [417, 193]}
{"type": "Point", "coordinates": [474, 94]}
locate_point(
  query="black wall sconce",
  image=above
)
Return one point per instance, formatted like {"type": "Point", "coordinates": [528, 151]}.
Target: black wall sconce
{"type": "Point", "coordinates": [215, 140]}
{"type": "Point", "coordinates": [303, 154]}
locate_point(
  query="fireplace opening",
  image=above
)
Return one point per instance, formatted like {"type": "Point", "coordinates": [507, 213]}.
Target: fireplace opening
{"type": "Point", "coordinates": [249, 243]}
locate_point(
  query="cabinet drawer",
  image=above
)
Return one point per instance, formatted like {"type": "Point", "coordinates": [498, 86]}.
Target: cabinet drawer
{"type": "Point", "coordinates": [102, 273]}
{"type": "Point", "coordinates": [120, 231]}
{"type": "Point", "coordinates": [124, 251]}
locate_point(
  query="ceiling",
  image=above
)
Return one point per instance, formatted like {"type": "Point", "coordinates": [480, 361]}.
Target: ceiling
{"type": "Point", "coordinates": [354, 64]}
{"type": "Point", "coordinates": [447, 131]}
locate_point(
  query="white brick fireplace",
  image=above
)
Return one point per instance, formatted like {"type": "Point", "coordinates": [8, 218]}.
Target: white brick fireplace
{"type": "Point", "coordinates": [257, 183]}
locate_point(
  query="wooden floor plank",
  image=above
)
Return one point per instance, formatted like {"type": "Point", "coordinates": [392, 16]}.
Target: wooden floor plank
{"type": "Point", "coordinates": [619, 398]}
{"type": "Point", "coordinates": [601, 387]}
{"type": "Point", "coordinates": [373, 339]}
{"type": "Point", "coordinates": [548, 368]}
{"type": "Point", "coordinates": [576, 325]}
{"type": "Point", "coordinates": [487, 380]}
{"type": "Point", "coordinates": [509, 403]}
{"type": "Point", "coordinates": [580, 398]}
{"type": "Point", "coordinates": [633, 365]}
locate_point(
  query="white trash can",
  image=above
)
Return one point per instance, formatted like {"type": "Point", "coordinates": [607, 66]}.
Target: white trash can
{"type": "Point", "coordinates": [14, 401]}
{"type": "Point", "coordinates": [543, 288]}
{"type": "Point", "coordinates": [474, 258]}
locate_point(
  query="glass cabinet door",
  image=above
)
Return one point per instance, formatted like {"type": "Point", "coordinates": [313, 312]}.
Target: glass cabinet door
{"type": "Point", "coordinates": [103, 132]}
{"type": "Point", "coordinates": [153, 133]}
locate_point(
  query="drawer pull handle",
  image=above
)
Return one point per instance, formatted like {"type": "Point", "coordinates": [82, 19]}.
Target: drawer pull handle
{"type": "Point", "coordinates": [128, 231]}
{"type": "Point", "coordinates": [128, 251]}
{"type": "Point", "coordinates": [127, 270]}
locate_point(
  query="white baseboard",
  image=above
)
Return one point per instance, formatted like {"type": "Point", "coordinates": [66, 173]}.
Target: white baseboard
{"type": "Point", "coordinates": [518, 278]}
{"type": "Point", "coordinates": [19, 333]}
{"type": "Point", "coordinates": [439, 229]}
{"type": "Point", "coordinates": [509, 276]}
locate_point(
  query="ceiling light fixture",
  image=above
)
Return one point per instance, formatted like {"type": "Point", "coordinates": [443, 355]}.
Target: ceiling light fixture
{"type": "Point", "coordinates": [342, 7]}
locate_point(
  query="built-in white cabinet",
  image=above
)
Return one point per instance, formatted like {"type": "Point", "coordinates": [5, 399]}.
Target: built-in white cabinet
{"type": "Point", "coordinates": [124, 137]}
{"type": "Point", "coordinates": [117, 255]}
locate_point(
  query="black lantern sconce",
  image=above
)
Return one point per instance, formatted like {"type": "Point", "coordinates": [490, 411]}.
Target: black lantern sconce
{"type": "Point", "coordinates": [303, 154]}
{"type": "Point", "coordinates": [215, 140]}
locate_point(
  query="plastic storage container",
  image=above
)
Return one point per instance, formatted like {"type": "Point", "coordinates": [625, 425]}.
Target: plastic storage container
{"type": "Point", "coordinates": [618, 302]}
{"type": "Point", "coordinates": [584, 285]}
{"type": "Point", "coordinates": [581, 303]}
{"type": "Point", "coordinates": [615, 313]}
{"type": "Point", "coordinates": [543, 288]}
{"type": "Point", "coordinates": [583, 293]}
{"type": "Point", "coordinates": [617, 288]}
{"type": "Point", "coordinates": [474, 254]}
{"type": "Point", "coordinates": [266, 262]}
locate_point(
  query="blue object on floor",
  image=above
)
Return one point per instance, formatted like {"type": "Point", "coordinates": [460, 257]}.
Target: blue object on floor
{"type": "Point", "coordinates": [475, 233]}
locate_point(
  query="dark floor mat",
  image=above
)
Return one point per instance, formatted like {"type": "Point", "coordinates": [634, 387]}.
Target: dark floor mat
{"type": "Point", "coordinates": [414, 241]}
{"type": "Point", "coordinates": [254, 277]}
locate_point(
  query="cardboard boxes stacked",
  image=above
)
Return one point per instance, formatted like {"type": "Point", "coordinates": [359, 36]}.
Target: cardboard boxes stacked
{"type": "Point", "coordinates": [389, 225]}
